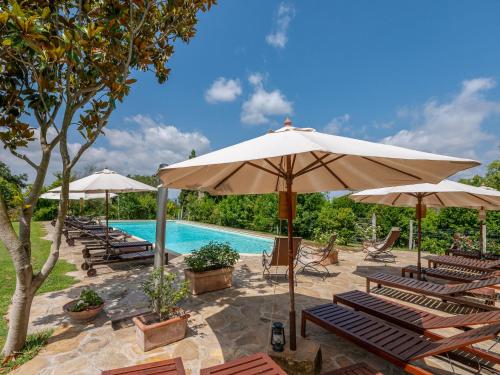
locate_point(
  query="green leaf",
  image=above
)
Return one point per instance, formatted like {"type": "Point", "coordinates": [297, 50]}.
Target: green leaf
{"type": "Point", "coordinates": [7, 42]}
{"type": "Point", "coordinates": [45, 12]}
{"type": "Point", "coordinates": [16, 9]}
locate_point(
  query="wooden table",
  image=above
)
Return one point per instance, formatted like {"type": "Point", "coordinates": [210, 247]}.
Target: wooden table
{"type": "Point", "coordinates": [168, 367]}
{"type": "Point", "coordinates": [259, 363]}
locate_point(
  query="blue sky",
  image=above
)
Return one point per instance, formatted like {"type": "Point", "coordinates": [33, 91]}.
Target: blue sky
{"type": "Point", "coordinates": [418, 74]}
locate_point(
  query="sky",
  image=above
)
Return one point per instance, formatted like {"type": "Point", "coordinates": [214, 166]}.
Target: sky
{"type": "Point", "coordinates": [423, 75]}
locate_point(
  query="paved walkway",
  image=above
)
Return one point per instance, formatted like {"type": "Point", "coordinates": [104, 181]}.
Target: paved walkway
{"type": "Point", "coordinates": [223, 325]}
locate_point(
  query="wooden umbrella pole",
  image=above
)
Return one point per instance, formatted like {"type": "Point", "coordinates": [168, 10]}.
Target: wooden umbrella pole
{"type": "Point", "coordinates": [419, 235]}
{"type": "Point", "coordinates": [107, 218]}
{"type": "Point", "coordinates": [291, 285]}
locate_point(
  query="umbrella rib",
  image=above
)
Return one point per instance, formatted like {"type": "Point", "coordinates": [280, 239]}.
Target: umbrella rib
{"type": "Point", "coordinates": [394, 169]}
{"type": "Point", "coordinates": [329, 170]}
{"type": "Point", "coordinates": [278, 178]}
{"type": "Point", "coordinates": [312, 166]}
{"type": "Point", "coordinates": [229, 176]}
{"type": "Point", "coordinates": [262, 168]}
{"type": "Point", "coordinates": [482, 199]}
{"type": "Point", "coordinates": [438, 198]}
{"type": "Point", "coordinates": [394, 201]}
{"type": "Point", "coordinates": [280, 171]}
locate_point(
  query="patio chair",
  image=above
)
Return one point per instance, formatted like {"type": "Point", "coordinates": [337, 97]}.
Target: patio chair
{"type": "Point", "coordinates": [460, 262]}
{"type": "Point", "coordinates": [255, 364]}
{"type": "Point", "coordinates": [422, 322]}
{"type": "Point", "coordinates": [314, 260]}
{"type": "Point", "coordinates": [382, 249]}
{"type": "Point", "coordinates": [279, 254]}
{"type": "Point", "coordinates": [455, 293]}
{"type": "Point", "coordinates": [172, 366]}
{"type": "Point", "coordinates": [392, 343]}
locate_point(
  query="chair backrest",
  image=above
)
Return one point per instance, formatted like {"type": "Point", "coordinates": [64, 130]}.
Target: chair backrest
{"type": "Point", "coordinates": [391, 239]}
{"type": "Point", "coordinates": [280, 250]}
{"type": "Point", "coordinates": [486, 332]}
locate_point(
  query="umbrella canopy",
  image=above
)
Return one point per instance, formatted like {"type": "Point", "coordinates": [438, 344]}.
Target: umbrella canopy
{"type": "Point", "coordinates": [321, 162]}
{"type": "Point", "coordinates": [106, 181]}
{"type": "Point", "coordinates": [304, 161]}
{"type": "Point", "coordinates": [444, 194]}
{"type": "Point", "coordinates": [76, 196]}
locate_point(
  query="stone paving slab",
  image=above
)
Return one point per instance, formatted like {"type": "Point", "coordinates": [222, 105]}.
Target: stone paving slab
{"type": "Point", "coordinates": [224, 325]}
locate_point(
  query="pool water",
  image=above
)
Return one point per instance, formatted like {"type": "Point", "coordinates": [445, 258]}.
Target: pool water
{"type": "Point", "coordinates": [184, 238]}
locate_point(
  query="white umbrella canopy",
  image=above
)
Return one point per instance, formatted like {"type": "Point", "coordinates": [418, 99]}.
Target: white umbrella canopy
{"type": "Point", "coordinates": [305, 161]}
{"type": "Point", "coordinates": [321, 162]}
{"type": "Point", "coordinates": [106, 181]}
{"type": "Point", "coordinates": [76, 196]}
{"type": "Point", "coordinates": [444, 194]}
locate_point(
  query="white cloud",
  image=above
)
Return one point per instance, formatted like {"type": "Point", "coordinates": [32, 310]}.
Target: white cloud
{"type": "Point", "coordinates": [223, 90]}
{"type": "Point", "coordinates": [136, 151]}
{"type": "Point", "coordinates": [454, 127]}
{"type": "Point", "coordinates": [262, 104]}
{"type": "Point", "coordinates": [337, 124]}
{"type": "Point", "coordinates": [278, 37]}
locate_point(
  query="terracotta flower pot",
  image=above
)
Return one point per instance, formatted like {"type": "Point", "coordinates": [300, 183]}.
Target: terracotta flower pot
{"type": "Point", "coordinates": [152, 335]}
{"type": "Point", "coordinates": [82, 316]}
{"type": "Point", "coordinates": [208, 281]}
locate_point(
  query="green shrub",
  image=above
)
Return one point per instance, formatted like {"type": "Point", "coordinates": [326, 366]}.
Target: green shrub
{"type": "Point", "coordinates": [88, 298]}
{"type": "Point", "coordinates": [213, 256]}
{"type": "Point", "coordinates": [164, 295]}
{"type": "Point", "coordinates": [45, 213]}
{"type": "Point", "coordinates": [434, 245]}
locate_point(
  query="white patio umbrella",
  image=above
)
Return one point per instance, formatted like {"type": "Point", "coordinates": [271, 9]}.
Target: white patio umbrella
{"type": "Point", "coordinates": [302, 160]}
{"type": "Point", "coordinates": [444, 194]}
{"type": "Point", "coordinates": [76, 197]}
{"type": "Point", "coordinates": [106, 181]}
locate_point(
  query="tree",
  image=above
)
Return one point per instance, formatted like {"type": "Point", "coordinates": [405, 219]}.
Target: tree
{"type": "Point", "coordinates": [11, 185]}
{"type": "Point", "coordinates": [65, 67]}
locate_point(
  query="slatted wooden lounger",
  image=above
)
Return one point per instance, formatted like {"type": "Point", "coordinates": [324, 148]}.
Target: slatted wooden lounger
{"type": "Point", "coordinates": [420, 321]}
{"type": "Point", "coordinates": [259, 363]}
{"type": "Point", "coordinates": [388, 341]}
{"type": "Point", "coordinates": [356, 369]}
{"type": "Point", "coordinates": [168, 367]}
{"type": "Point", "coordinates": [454, 293]}
{"type": "Point", "coordinates": [474, 254]}
{"type": "Point", "coordinates": [450, 274]}
{"type": "Point", "coordinates": [460, 262]}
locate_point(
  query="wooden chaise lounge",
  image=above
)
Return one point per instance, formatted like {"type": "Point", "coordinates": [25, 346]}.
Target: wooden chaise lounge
{"type": "Point", "coordinates": [382, 249]}
{"type": "Point", "coordinates": [391, 342]}
{"type": "Point", "coordinates": [356, 369]}
{"type": "Point", "coordinates": [419, 321]}
{"type": "Point", "coordinates": [460, 262]}
{"type": "Point", "coordinates": [168, 367]}
{"type": "Point", "coordinates": [450, 274]}
{"type": "Point", "coordinates": [455, 293]}
{"type": "Point", "coordinates": [259, 363]}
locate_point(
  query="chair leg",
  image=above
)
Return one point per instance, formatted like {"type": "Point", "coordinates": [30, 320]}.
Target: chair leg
{"type": "Point", "coordinates": [368, 286]}
{"type": "Point", "coordinates": [303, 326]}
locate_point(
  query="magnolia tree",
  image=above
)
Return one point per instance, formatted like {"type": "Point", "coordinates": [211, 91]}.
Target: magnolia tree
{"type": "Point", "coordinates": [64, 67]}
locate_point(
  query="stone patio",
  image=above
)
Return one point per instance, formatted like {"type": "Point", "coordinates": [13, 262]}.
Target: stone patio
{"type": "Point", "coordinates": [224, 325]}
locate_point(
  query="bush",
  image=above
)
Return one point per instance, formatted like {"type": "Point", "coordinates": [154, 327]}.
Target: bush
{"type": "Point", "coordinates": [88, 299]}
{"type": "Point", "coordinates": [164, 296]}
{"type": "Point", "coordinates": [45, 213]}
{"type": "Point", "coordinates": [213, 256]}
{"type": "Point", "coordinates": [434, 245]}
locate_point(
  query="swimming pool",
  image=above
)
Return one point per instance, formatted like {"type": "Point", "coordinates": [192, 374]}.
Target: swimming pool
{"type": "Point", "coordinates": [183, 237]}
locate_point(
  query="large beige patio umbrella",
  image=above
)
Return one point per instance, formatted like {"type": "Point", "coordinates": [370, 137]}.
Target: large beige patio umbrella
{"type": "Point", "coordinates": [444, 194]}
{"type": "Point", "coordinates": [106, 182]}
{"type": "Point", "coordinates": [302, 160]}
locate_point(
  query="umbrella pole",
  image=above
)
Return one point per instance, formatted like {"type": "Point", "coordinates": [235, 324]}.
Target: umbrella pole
{"type": "Point", "coordinates": [291, 285]}
{"type": "Point", "coordinates": [419, 236]}
{"type": "Point", "coordinates": [107, 218]}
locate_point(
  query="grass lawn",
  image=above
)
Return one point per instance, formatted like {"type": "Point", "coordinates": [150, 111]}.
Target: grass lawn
{"type": "Point", "coordinates": [57, 280]}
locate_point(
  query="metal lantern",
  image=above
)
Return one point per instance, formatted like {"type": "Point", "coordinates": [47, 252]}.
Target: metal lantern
{"type": "Point", "coordinates": [278, 337]}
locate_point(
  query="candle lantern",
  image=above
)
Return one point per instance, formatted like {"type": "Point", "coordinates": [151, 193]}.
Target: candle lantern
{"type": "Point", "coordinates": [278, 337]}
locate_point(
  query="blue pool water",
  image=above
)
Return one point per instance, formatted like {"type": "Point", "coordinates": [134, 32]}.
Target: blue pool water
{"type": "Point", "coordinates": [183, 238]}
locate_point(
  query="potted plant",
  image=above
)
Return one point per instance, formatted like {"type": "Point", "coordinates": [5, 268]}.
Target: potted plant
{"type": "Point", "coordinates": [86, 307]}
{"type": "Point", "coordinates": [211, 267]}
{"type": "Point", "coordinates": [167, 322]}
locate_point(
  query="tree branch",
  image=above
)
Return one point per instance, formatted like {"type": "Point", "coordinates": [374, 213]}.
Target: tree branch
{"type": "Point", "coordinates": [25, 158]}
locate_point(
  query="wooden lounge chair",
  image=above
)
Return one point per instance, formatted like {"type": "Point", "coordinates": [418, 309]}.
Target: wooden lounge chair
{"type": "Point", "coordinates": [420, 321]}
{"type": "Point", "coordinates": [167, 367]}
{"type": "Point", "coordinates": [460, 262]}
{"type": "Point", "coordinates": [356, 369]}
{"type": "Point", "coordinates": [393, 343]}
{"type": "Point", "coordinates": [313, 260]}
{"type": "Point", "coordinates": [473, 254]}
{"type": "Point", "coordinates": [382, 249]}
{"type": "Point", "coordinates": [255, 364]}
{"type": "Point", "coordinates": [462, 276]}
{"type": "Point", "coordinates": [279, 255]}
{"type": "Point", "coordinates": [455, 293]}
